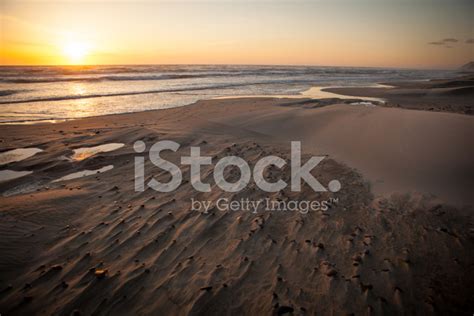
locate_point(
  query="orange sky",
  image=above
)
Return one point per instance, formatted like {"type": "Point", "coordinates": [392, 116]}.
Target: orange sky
{"type": "Point", "coordinates": [341, 32]}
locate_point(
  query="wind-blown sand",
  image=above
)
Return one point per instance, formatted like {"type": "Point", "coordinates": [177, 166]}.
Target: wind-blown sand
{"type": "Point", "coordinates": [95, 246]}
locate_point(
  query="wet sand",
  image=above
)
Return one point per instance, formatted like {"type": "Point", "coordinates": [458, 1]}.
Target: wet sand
{"type": "Point", "coordinates": [447, 95]}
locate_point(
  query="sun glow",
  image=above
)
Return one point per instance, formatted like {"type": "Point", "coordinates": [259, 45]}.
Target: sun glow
{"type": "Point", "coordinates": [76, 52]}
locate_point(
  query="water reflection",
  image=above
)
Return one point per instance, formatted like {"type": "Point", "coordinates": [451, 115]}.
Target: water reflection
{"type": "Point", "coordinates": [7, 175]}
{"type": "Point", "coordinates": [86, 152]}
{"type": "Point", "coordinates": [17, 155]}
{"type": "Point", "coordinates": [78, 88]}
{"type": "Point", "coordinates": [80, 107]}
{"type": "Point", "coordinates": [84, 173]}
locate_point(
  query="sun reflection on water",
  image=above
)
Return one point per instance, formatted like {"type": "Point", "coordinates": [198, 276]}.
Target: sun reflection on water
{"type": "Point", "coordinates": [80, 107]}
{"type": "Point", "coordinates": [78, 88]}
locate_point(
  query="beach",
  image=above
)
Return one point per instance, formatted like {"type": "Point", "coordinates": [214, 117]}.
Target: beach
{"type": "Point", "coordinates": [283, 158]}
{"type": "Point", "coordinates": [397, 237]}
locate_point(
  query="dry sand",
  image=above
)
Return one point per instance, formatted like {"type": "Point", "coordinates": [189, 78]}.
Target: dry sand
{"type": "Point", "coordinates": [94, 246]}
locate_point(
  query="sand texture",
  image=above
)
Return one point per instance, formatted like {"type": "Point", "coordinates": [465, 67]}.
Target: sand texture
{"type": "Point", "coordinates": [398, 238]}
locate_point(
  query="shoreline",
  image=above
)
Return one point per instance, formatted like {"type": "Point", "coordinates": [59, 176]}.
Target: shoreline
{"type": "Point", "coordinates": [447, 95]}
{"type": "Point", "coordinates": [394, 94]}
{"type": "Point", "coordinates": [296, 100]}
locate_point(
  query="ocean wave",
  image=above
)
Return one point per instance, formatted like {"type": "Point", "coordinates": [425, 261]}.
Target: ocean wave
{"type": "Point", "coordinates": [7, 120]}
{"type": "Point", "coordinates": [125, 93]}
{"type": "Point", "coordinates": [26, 75]}
{"type": "Point", "coordinates": [302, 83]}
{"type": "Point", "coordinates": [110, 78]}
{"type": "Point", "coordinates": [51, 83]}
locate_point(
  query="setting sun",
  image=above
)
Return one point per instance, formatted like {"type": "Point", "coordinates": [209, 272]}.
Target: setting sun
{"type": "Point", "coordinates": [76, 52]}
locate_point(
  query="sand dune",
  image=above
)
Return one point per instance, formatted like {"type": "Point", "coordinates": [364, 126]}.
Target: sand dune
{"type": "Point", "coordinates": [94, 246]}
{"type": "Point", "coordinates": [396, 150]}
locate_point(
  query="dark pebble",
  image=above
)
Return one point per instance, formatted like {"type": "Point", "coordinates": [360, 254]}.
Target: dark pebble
{"type": "Point", "coordinates": [206, 288]}
{"type": "Point", "coordinates": [285, 310]}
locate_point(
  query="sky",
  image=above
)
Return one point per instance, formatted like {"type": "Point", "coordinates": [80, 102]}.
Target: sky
{"type": "Point", "coordinates": [372, 33]}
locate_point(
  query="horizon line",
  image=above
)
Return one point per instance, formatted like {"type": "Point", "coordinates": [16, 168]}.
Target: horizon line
{"type": "Point", "coordinates": [228, 64]}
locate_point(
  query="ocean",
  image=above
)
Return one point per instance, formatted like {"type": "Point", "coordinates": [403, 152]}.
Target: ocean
{"type": "Point", "coordinates": [35, 94]}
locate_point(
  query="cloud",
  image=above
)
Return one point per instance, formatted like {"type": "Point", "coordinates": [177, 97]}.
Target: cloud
{"type": "Point", "coordinates": [450, 40]}
{"type": "Point", "coordinates": [446, 42]}
{"type": "Point", "coordinates": [470, 41]}
{"type": "Point", "coordinates": [436, 43]}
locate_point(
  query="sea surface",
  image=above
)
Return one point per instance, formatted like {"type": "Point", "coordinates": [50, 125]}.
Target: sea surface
{"type": "Point", "coordinates": [35, 94]}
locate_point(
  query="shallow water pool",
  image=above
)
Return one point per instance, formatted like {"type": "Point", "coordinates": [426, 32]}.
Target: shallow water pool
{"type": "Point", "coordinates": [86, 152]}
{"type": "Point", "coordinates": [84, 173]}
{"type": "Point", "coordinates": [18, 155]}
{"type": "Point", "coordinates": [7, 175]}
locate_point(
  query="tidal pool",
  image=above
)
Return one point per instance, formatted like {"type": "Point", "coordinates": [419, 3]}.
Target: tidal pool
{"type": "Point", "coordinates": [18, 155]}
{"type": "Point", "coordinates": [86, 152]}
{"type": "Point", "coordinates": [7, 175]}
{"type": "Point", "coordinates": [84, 173]}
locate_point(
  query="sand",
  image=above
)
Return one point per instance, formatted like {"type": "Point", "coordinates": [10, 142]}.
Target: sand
{"type": "Point", "coordinates": [94, 246]}
{"type": "Point", "coordinates": [447, 95]}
